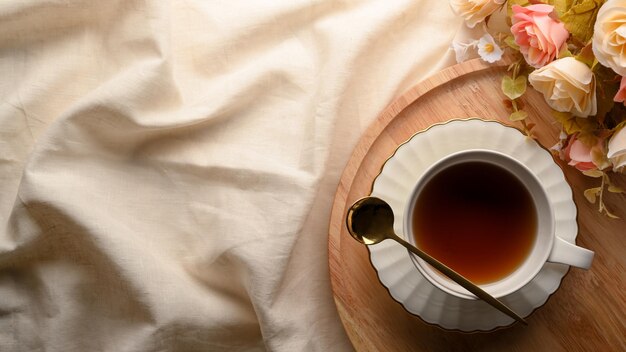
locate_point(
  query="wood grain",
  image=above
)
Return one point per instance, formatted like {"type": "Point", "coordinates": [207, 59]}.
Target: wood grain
{"type": "Point", "coordinates": [587, 313]}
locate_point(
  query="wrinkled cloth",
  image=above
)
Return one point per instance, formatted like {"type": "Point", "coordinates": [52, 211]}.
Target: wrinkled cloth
{"type": "Point", "coordinates": [168, 167]}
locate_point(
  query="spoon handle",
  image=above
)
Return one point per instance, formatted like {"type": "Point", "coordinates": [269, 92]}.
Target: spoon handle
{"type": "Point", "coordinates": [459, 279]}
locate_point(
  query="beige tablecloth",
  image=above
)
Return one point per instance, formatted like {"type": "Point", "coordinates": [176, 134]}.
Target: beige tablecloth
{"type": "Point", "coordinates": [167, 167]}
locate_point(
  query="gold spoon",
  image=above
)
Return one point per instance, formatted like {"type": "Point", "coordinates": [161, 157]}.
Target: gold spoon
{"type": "Point", "coordinates": [370, 221]}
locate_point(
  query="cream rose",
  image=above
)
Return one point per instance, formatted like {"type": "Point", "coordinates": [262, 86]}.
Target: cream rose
{"type": "Point", "coordinates": [609, 36]}
{"type": "Point", "coordinates": [617, 150]}
{"type": "Point", "coordinates": [475, 11]}
{"type": "Point", "coordinates": [568, 85]}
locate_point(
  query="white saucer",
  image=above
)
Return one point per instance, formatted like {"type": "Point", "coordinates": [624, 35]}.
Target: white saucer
{"type": "Point", "coordinates": [394, 184]}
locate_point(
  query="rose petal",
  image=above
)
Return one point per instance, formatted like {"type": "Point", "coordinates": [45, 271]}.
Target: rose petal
{"type": "Point", "coordinates": [540, 8]}
{"type": "Point", "coordinates": [580, 152]}
{"type": "Point", "coordinates": [617, 144]}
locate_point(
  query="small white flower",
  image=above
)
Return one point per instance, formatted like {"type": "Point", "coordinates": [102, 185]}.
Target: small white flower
{"type": "Point", "coordinates": [488, 49]}
{"type": "Point", "coordinates": [461, 49]}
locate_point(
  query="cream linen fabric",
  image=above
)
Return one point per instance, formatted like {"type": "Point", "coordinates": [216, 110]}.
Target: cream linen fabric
{"type": "Point", "coordinates": [167, 167]}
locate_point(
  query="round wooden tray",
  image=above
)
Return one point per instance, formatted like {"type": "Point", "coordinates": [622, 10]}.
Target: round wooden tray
{"type": "Point", "coordinates": [588, 310]}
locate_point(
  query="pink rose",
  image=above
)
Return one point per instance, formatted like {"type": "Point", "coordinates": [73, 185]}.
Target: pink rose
{"type": "Point", "coordinates": [620, 97]}
{"type": "Point", "coordinates": [582, 156]}
{"type": "Point", "coordinates": [539, 36]}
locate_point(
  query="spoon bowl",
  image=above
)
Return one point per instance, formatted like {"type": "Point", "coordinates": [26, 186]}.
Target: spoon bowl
{"type": "Point", "coordinates": [370, 221]}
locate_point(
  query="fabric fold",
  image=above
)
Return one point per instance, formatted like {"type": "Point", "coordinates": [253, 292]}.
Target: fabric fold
{"type": "Point", "coordinates": [168, 168]}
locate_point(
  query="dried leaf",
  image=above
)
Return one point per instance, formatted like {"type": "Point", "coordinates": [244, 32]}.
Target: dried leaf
{"type": "Point", "coordinates": [588, 138]}
{"type": "Point", "coordinates": [606, 88]}
{"type": "Point", "coordinates": [595, 64]}
{"type": "Point", "coordinates": [606, 211]}
{"type": "Point", "coordinates": [561, 6]}
{"type": "Point", "coordinates": [510, 4]}
{"type": "Point", "coordinates": [586, 55]}
{"type": "Point", "coordinates": [598, 157]}
{"type": "Point", "coordinates": [518, 115]}
{"type": "Point", "coordinates": [580, 18]}
{"type": "Point", "coordinates": [615, 118]}
{"type": "Point", "coordinates": [511, 66]}
{"type": "Point", "coordinates": [593, 173]}
{"type": "Point", "coordinates": [591, 194]}
{"type": "Point", "coordinates": [514, 88]}
{"type": "Point", "coordinates": [572, 124]}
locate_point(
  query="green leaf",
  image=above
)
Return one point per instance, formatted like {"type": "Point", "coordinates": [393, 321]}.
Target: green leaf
{"type": "Point", "coordinates": [591, 194]}
{"type": "Point", "coordinates": [565, 53]}
{"type": "Point", "coordinates": [514, 88]}
{"type": "Point", "coordinates": [510, 41]}
{"type": "Point", "coordinates": [595, 63]}
{"type": "Point", "coordinates": [615, 189]}
{"type": "Point", "coordinates": [580, 18]}
{"type": "Point", "coordinates": [593, 173]}
{"type": "Point", "coordinates": [518, 115]}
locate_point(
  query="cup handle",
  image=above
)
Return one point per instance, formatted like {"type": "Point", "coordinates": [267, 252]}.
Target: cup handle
{"type": "Point", "coordinates": [570, 254]}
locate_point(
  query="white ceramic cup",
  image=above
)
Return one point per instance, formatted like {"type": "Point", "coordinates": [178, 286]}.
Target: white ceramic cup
{"type": "Point", "coordinates": [548, 247]}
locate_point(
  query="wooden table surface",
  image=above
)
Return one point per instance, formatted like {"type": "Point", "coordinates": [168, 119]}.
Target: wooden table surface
{"type": "Point", "coordinates": [588, 311]}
